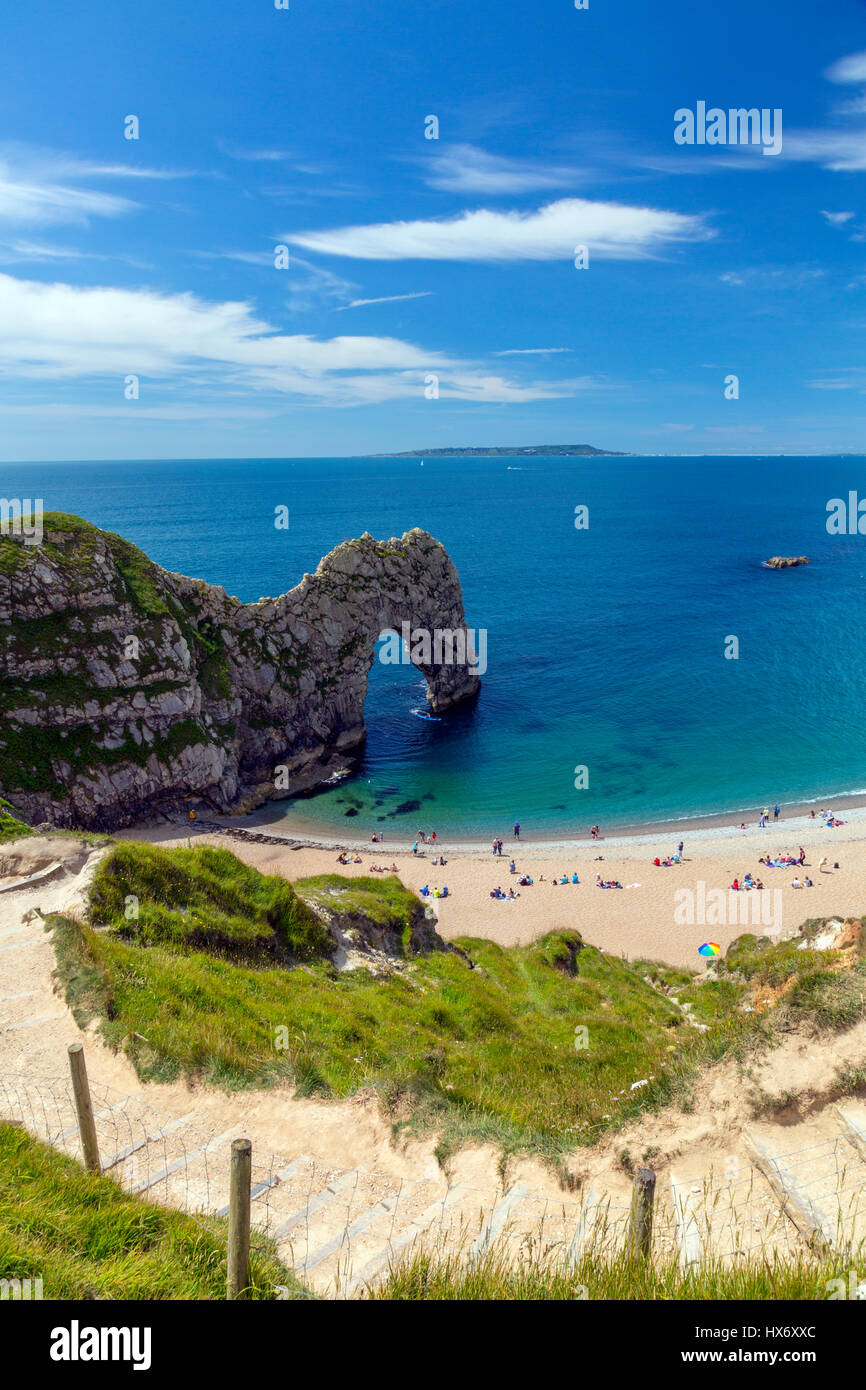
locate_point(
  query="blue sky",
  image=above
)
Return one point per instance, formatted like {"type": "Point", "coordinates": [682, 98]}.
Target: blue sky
{"type": "Point", "coordinates": [412, 258]}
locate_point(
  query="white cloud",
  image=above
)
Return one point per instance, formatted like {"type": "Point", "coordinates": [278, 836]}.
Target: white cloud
{"type": "Point", "coordinates": [466, 169]}
{"type": "Point", "coordinates": [837, 219]}
{"type": "Point", "coordinates": [59, 331]}
{"type": "Point", "coordinates": [551, 233]}
{"type": "Point", "coordinates": [32, 203]}
{"type": "Point", "coordinates": [41, 187]}
{"type": "Point", "coordinates": [838, 150]}
{"type": "Point", "coordinates": [386, 299]}
{"type": "Point", "coordinates": [850, 69]}
{"type": "Point", "coordinates": [528, 352]}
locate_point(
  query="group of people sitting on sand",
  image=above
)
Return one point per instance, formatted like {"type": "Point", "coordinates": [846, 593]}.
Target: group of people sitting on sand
{"type": "Point", "coordinates": [504, 897]}
{"type": "Point", "coordinates": [667, 863]}
{"type": "Point", "coordinates": [428, 892]}
{"type": "Point", "coordinates": [565, 879]}
{"type": "Point", "coordinates": [609, 883]}
{"type": "Point", "coordinates": [346, 858]}
{"type": "Point", "coordinates": [782, 860]}
{"type": "Point", "coordinates": [381, 869]}
{"type": "Point", "coordinates": [742, 885]}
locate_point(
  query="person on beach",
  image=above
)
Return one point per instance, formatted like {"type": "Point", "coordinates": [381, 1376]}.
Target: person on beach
{"type": "Point", "coordinates": [517, 830]}
{"type": "Point", "coordinates": [802, 858]}
{"type": "Point", "coordinates": [763, 821]}
{"type": "Point", "coordinates": [776, 811]}
{"type": "Point", "coordinates": [432, 837]}
{"type": "Point", "coordinates": [680, 849]}
{"type": "Point", "coordinates": [512, 867]}
{"type": "Point", "coordinates": [594, 832]}
{"type": "Point", "coordinates": [822, 864]}
{"type": "Point", "coordinates": [415, 848]}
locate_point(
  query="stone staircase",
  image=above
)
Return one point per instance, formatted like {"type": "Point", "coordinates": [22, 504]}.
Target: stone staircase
{"type": "Point", "coordinates": [783, 1188]}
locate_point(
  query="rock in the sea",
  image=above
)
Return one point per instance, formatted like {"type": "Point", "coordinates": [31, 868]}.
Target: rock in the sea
{"type": "Point", "coordinates": [126, 690]}
{"type": "Point", "coordinates": [786, 562]}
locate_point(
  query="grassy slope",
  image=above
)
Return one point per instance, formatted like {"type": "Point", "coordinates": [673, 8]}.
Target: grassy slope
{"type": "Point", "coordinates": [84, 1236]}
{"type": "Point", "coordinates": [203, 899]}
{"type": "Point", "coordinates": [485, 1053]}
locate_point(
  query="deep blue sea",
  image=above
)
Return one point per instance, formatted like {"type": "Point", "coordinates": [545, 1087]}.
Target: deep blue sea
{"type": "Point", "coordinates": [605, 645]}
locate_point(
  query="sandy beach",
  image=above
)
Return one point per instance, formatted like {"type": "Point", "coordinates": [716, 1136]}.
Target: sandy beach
{"type": "Point", "coordinates": [644, 919]}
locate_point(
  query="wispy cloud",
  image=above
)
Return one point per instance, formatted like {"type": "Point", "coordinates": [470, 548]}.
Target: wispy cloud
{"type": "Point", "coordinates": [385, 299]}
{"type": "Point", "coordinates": [466, 169]}
{"type": "Point", "coordinates": [42, 187]}
{"type": "Point", "coordinates": [63, 332]}
{"type": "Point", "coordinates": [837, 219]}
{"type": "Point", "coordinates": [528, 352]}
{"type": "Point", "coordinates": [849, 69]}
{"type": "Point", "coordinates": [551, 233]}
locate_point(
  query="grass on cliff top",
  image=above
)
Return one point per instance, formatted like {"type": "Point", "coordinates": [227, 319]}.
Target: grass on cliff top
{"type": "Point", "coordinates": [482, 1054]}
{"type": "Point", "coordinates": [85, 1237]}
{"type": "Point", "coordinates": [827, 987]}
{"type": "Point", "coordinates": [384, 900]}
{"type": "Point", "coordinates": [203, 899]}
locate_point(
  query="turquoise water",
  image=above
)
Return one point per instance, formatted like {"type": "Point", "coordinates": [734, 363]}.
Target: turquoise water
{"type": "Point", "coordinates": [605, 646]}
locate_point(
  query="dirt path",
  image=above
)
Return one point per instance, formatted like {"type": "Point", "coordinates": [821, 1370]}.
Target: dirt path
{"type": "Point", "coordinates": [341, 1147]}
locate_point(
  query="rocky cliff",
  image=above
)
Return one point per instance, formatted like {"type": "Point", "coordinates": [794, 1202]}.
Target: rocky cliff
{"type": "Point", "coordinates": [127, 689]}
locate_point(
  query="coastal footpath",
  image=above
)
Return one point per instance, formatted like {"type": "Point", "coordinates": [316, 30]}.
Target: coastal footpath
{"type": "Point", "coordinates": [126, 689]}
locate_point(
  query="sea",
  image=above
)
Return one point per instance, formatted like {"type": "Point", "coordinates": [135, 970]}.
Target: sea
{"type": "Point", "coordinates": [642, 667]}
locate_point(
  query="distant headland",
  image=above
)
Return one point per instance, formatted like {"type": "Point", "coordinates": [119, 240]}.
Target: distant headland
{"type": "Point", "coordinates": [517, 451]}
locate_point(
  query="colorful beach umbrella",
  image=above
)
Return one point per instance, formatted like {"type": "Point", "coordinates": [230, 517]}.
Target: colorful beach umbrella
{"type": "Point", "coordinates": [710, 948]}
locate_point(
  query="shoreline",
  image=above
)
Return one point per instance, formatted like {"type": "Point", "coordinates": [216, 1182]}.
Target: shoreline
{"type": "Point", "coordinates": [795, 819]}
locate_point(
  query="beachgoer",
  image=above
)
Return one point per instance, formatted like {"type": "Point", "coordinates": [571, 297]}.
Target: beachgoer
{"type": "Point", "coordinates": [822, 864]}
{"type": "Point", "coordinates": [517, 830]}
{"type": "Point", "coordinates": [432, 837]}
{"type": "Point", "coordinates": [512, 867]}
{"type": "Point", "coordinates": [776, 812]}
{"type": "Point", "coordinates": [680, 848]}
{"type": "Point", "coordinates": [795, 883]}
{"type": "Point", "coordinates": [808, 883]}
{"type": "Point", "coordinates": [415, 847]}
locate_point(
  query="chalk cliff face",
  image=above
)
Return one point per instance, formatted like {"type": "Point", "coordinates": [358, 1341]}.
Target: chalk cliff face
{"type": "Point", "coordinates": [127, 689]}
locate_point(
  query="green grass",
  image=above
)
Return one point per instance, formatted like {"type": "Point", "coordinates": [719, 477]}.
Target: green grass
{"type": "Point", "coordinates": [437, 1278]}
{"type": "Point", "coordinates": [85, 1237]}
{"type": "Point", "coordinates": [11, 828]}
{"type": "Point", "coordinates": [827, 995]}
{"type": "Point", "coordinates": [203, 899]}
{"type": "Point", "coordinates": [484, 1053]}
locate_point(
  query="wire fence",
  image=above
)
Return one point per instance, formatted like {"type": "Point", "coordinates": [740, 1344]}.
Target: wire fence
{"type": "Point", "coordinates": [340, 1229]}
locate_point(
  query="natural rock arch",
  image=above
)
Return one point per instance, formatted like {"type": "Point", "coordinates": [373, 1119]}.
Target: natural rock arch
{"type": "Point", "coordinates": [128, 688]}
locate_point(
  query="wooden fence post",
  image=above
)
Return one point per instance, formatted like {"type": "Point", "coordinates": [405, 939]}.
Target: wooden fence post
{"type": "Point", "coordinates": [641, 1220]}
{"type": "Point", "coordinates": [239, 1220]}
{"type": "Point", "coordinates": [84, 1107]}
